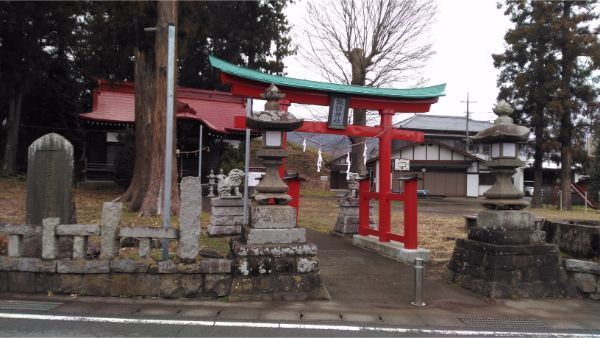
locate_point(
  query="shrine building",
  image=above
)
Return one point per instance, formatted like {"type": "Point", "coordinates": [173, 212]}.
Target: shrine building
{"type": "Point", "coordinates": [113, 113]}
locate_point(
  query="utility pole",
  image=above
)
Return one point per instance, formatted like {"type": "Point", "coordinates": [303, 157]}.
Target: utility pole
{"type": "Point", "coordinates": [467, 129]}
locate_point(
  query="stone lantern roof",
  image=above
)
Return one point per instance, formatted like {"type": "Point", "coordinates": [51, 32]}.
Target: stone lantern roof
{"type": "Point", "coordinates": [504, 130]}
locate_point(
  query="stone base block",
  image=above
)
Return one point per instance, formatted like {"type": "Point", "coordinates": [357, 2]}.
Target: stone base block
{"type": "Point", "coordinates": [227, 202]}
{"type": "Point", "coordinates": [393, 250]}
{"type": "Point", "coordinates": [275, 272]}
{"type": "Point", "coordinates": [506, 237]}
{"type": "Point", "coordinates": [273, 236]}
{"type": "Point", "coordinates": [240, 249]}
{"type": "Point", "coordinates": [508, 271]}
{"type": "Point", "coordinates": [226, 220]}
{"type": "Point", "coordinates": [346, 225]}
{"type": "Point", "coordinates": [222, 230]}
{"type": "Point", "coordinates": [298, 286]}
{"type": "Point", "coordinates": [273, 217]}
{"type": "Point", "coordinates": [505, 220]}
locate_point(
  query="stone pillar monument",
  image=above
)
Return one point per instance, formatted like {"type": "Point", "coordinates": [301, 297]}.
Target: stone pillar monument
{"type": "Point", "coordinates": [227, 210]}
{"type": "Point", "coordinates": [505, 256]}
{"type": "Point", "coordinates": [273, 260]}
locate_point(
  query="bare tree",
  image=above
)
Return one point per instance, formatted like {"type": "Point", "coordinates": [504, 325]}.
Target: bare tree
{"type": "Point", "coordinates": [367, 43]}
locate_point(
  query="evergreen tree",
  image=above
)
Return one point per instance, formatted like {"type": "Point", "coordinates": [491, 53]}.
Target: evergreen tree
{"type": "Point", "coordinates": [529, 75]}
{"type": "Point", "coordinates": [575, 104]}
{"type": "Point", "coordinates": [546, 71]}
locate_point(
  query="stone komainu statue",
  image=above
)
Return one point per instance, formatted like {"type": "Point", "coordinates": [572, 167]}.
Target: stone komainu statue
{"type": "Point", "coordinates": [229, 183]}
{"type": "Point", "coordinates": [352, 185]}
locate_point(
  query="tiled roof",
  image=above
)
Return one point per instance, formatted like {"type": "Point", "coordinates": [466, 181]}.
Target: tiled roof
{"type": "Point", "coordinates": [216, 110]}
{"type": "Point", "coordinates": [254, 75]}
{"type": "Point", "coordinates": [442, 123]}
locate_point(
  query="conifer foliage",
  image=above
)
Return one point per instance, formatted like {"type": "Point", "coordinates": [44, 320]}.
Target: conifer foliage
{"type": "Point", "coordinates": [547, 72]}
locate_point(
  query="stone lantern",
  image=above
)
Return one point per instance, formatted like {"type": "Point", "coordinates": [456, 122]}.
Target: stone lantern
{"type": "Point", "coordinates": [272, 122]}
{"type": "Point", "coordinates": [505, 139]}
{"type": "Point", "coordinates": [272, 260]}
{"type": "Point", "coordinates": [505, 255]}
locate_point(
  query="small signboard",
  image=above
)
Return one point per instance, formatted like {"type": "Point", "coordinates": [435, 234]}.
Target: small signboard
{"type": "Point", "coordinates": [254, 178]}
{"type": "Point", "coordinates": [401, 164]}
{"type": "Point", "coordinates": [324, 178]}
{"type": "Point", "coordinates": [338, 112]}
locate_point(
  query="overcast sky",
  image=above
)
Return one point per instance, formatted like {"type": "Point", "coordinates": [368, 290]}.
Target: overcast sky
{"type": "Point", "coordinates": [465, 34]}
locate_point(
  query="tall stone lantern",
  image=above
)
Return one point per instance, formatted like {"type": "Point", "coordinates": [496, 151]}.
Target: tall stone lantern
{"type": "Point", "coordinates": [505, 256]}
{"type": "Point", "coordinates": [505, 139]}
{"type": "Point", "coordinates": [272, 260]}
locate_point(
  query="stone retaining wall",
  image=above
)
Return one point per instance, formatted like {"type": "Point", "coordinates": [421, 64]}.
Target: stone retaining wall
{"type": "Point", "coordinates": [585, 277]}
{"type": "Point", "coordinates": [579, 239]}
{"type": "Point", "coordinates": [208, 278]}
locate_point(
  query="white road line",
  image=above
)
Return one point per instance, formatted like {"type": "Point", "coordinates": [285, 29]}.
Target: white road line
{"type": "Point", "coordinates": [274, 325]}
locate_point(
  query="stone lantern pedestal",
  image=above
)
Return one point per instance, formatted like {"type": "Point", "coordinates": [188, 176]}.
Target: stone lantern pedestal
{"type": "Point", "coordinates": [273, 260]}
{"type": "Point", "coordinates": [505, 255]}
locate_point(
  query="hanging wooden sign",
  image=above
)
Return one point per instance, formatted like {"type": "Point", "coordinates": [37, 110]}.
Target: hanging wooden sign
{"type": "Point", "coordinates": [338, 112]}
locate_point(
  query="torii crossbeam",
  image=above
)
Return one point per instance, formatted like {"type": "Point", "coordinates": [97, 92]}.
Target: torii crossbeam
{"type": "Point", "coordinates": [249, 83]}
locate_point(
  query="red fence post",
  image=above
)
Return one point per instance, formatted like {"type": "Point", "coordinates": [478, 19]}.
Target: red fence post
{"type": "Point", "coordinates": [410, 214]}
{"type": "Point", "coordinates": [293, 182]}
{"type": "Point", "coordinates": [384, 175]}
{"type": "Point", "coordinates": [363, 206]}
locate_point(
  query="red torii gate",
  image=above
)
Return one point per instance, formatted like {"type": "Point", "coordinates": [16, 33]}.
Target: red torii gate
{"type": "Point", "coordinates": [249, 83]}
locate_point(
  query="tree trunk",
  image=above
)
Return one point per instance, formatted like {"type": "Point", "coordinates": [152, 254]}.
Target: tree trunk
{"type": "Point", "coordinates": [359, 116]}
{"type": "Point", "coordinates": [12, 134]}
{"type": "Point", "coordinates": [144, 106]}
{"type": "Point", "coordinates": [566, 121]}
{"type": "Point", "coordinates": [538, 174]}
{"type": "Point", "coordinates": [167, 13]}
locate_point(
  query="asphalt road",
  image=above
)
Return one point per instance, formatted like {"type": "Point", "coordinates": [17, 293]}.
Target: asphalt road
{"type": "Point", "coordinates": [46, 325]}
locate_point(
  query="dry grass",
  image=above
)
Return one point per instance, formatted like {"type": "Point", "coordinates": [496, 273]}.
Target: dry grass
{"type": "Point", "coordinates": [318, 211]}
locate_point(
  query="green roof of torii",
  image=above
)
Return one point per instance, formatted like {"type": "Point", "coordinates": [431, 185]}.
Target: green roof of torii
{"type": "Point", "coordinates": [250, 74]}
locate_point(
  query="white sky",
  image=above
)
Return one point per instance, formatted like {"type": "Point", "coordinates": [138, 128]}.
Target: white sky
{"type": "Point", "coordinates": [465, 34]}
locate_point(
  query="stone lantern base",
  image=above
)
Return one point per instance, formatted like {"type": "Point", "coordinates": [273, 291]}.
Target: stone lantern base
{"type": "Point", "coordinates": [348, 221]}
{"type": "Point", "coordinates": [506, 257]}
{"type": "Point", "coordinates": [273, 260]}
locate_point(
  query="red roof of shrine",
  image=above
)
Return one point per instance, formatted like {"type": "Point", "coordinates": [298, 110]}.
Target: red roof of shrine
{"type": "Point", "coordinates": [115, 103]}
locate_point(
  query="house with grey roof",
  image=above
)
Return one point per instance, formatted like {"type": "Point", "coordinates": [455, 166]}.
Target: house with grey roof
{"type": "Point", "coordinates": [446, 163]}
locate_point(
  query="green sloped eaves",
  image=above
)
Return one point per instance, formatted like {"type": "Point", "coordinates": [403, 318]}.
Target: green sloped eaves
{"type": "Point", "coordinates": [250, 74]}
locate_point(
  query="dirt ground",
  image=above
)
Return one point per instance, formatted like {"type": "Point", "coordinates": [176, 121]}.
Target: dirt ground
{"type": "Point", "coordinates": [441, 221]}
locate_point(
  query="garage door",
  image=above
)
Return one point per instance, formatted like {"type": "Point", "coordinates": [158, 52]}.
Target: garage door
{"type": "Point", "coordinates": [448, 184]}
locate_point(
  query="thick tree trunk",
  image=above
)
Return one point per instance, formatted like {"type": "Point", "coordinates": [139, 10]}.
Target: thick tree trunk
{"type": "Point", "coordinates": [167, 13]}
{"type": "Point", "coordinates": [12, 135]}
{"type": "Point", "coordinates": [538, 175]}
{"type": "Point", "coordinates": [566, 120]}
{"type": "Point", "coordinates": [144, 106]}
{"type": "Point", "coordinates": [359, 116]}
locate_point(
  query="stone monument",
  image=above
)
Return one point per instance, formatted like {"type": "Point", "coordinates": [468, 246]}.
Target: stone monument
{"type": "Point", "coordinates": [348, 221]}
{"type": "Point", "coordinates": [49, 183]}
{"type": "Point", "coordinates": [273, 260]}
{"type": "Point", "coordinates": [505, 255]}
{"type": "Point", "coordinates": [227, 210]}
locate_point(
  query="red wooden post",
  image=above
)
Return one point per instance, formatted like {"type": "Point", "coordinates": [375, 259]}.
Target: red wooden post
{"type": "Point", "coordinates": [284, 105]}
{"type": "Point", "coordinates": [294, 192]}
{"type": "Point", "coordinates": [385, 152]}
{"type": "Point", "coordinates": [363, 207]}
{"type": "Point", "coordinates": [410, 214]}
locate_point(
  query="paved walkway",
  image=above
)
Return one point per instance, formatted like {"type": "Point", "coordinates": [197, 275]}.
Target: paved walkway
{"type": "Point", "coordinates": [366, 289]}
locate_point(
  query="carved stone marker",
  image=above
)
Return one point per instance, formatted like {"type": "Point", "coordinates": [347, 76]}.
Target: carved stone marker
{"type": "Point", "coordinates": [49, 183]}
{"type": "Point", "coordinates": [189, 217]}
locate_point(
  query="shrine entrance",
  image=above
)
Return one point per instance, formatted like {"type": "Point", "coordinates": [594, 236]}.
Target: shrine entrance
{"type": "Point", "coordinates": [250, 84]}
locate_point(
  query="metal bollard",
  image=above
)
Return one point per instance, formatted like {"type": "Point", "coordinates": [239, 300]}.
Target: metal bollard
{"type": "Point", "coordinates": [418, 294]}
